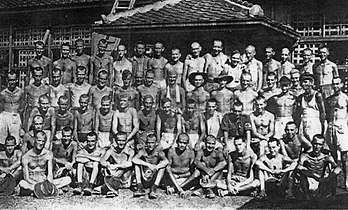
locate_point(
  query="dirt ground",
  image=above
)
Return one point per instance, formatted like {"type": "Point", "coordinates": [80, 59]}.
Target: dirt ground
{"type": "Point", "coordinates": [126, 201]}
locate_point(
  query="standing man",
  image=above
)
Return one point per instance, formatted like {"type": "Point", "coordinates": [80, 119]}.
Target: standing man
{"type": "Point", "coordinates": [234, 69]}
{"type": "Point", "coordinates": [41, 60]}
{"type": "Point", "coordinates": [336, 107]}
{"type": "Point", "coordinates": [173, 91]}
{"type": "Point", "coordinates": [99, 90]}
{"type": "Point", "coordinates": [139, 60]}
{"type": "Point", "coordinates": [147, 122]}
{"type": "Point", "coordinates": [307, 65]}
{"type": "Point", "coordinates": [101, 60]}
{"type": "Point", "coordinates": [64, 118]}
{"type": "Point", "coordinates": [271, 89]}
{"type": "Point", "coordinates": [121, 64]}
{"type": "Point", "coordinates": [127, 77]}
{"type": "Point", "coordinates": [286, 65]}
{"type": "Point", "coordinates": [176, 65]}
{"type": "Point", "coordinates": [157, 63]}
{"type": "Point", "coordinates": [324, 71]}
{"type": "Point", "coordinates": [296, 88]}
{"type": "Point", "coordinates": [224, 97]}
{"type": "Point", "coordinates": [254, 67]}
{"type": "Point", "coordinates": [215, 61]}
{"type": "Point", "coordinates": [103, 122]}
{"type": "Point", "coordinates": [57, 89]}
{"type": "Point", "coordinates": [80, 58]}
{"type": "Point", "coordinates": [150, 88]}
{"type": "Point", "coordinates": [246, 95]}
{"type": "Point", "coordinates": [198, 80]}
{"type": "Point", "coordinates": [193, 63]}
{"type": "Point", "coordinates": [66, 65]}
{"type": "Point", "coordinates": [12, 107]}
{"type": "Point", "coordinates": [269, 64]}
{"type": "Point", "coordinates": [309, 113]}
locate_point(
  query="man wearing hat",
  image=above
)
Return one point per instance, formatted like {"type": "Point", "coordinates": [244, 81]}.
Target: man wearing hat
{"type": "Point", "coordinates": [309, 114]}
{"type": "Point", "coordinates": [223, 96]}
{"type": "Point", "coordinates": [32, 92]}
{"type": "Point", "coordinates": [39, 60]}
{"type": "Point", "coordinates": [282, 106]}
{"type": "Point", "coordinates": [174, 91]}
{"type": "Point", "coordinates": [37, 166]}
{"type": "Point", "coordinates": [198, 80]}
{"type": "Point", "coordinates": [10, 166]}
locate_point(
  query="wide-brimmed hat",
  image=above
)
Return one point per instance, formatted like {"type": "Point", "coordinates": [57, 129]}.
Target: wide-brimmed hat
{"type": "Point", "coordinates": [45, 189]}
{"type": "Point", "coordinates": [223, 76]}
{"type": "Point", "coordinates": [306, 76]}
{"type": "Point", "coordinates": [147, 173]}
{"type": "Point", "coordinates": [113, 183]}
{"type": "Point", "coordinates": [284, 80]}
{"type": "Point", "coordinates": [194, 74]}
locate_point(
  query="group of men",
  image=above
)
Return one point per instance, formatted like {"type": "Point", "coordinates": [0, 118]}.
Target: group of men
{"type": "Point", "coordinates": [211, 125]}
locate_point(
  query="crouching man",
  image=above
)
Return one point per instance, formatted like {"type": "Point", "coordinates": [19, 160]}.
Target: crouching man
{"type": "Point", "coordinates": [118, 163]}
{"type": "Point", "coordinates": [150, 166]}
{"type": "Point", "coordinates": [37, 166]}
{"type": "Point", "coordinates": [314, 180]}
{"type": "Point", "coordinates": [87, 160]}
{"type": "Point", "coordinates": [274, 170]}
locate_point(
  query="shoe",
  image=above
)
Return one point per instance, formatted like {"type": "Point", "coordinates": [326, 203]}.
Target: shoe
{"type": "Point", "coordinates": [153, 194]}
{"type": "Point", "coordinates": [110, 194]}
{"type": "Point", "coordinates": [88, 190]}
{"type": "Point", "coordinates": [139, 192]}
{"type": "Point", "coordinates": [78, 190]}
{"type": "Point", "coordinates": [210, 193]}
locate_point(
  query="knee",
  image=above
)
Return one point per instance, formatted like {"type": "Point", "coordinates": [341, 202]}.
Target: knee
{"type": "Point", "coordinates": [255, 183]}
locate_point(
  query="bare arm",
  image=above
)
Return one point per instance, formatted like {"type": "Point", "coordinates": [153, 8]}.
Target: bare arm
{"type": "Point", "coordinates": [259, 76]}
{"type": "Point", "coordinates": [114, 122]}
{"type": "Point", "coordinates": [50, 166]}
{"type": "Point", "coordinates": [271, 127]}
{"type": "Point", "coordinates": [135, 124]}
{"type": "Point", "coordinates": [96, 125]}
{"type": "Point", "coordinates": [75, 126]}
{"type": "Point", "coordinates": [260, 164]}
{"type": "Point", "coordinates": [184, 74]}
{"type": "Point", "coordinates": [321, 107]}
{"type": "Point", "coordinates": [199, 164]}
{"type": "Point", "coordinates": [158, 128]}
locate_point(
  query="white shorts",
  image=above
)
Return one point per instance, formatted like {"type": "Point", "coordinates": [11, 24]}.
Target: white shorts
{"type": "Point", "coordinates": [310, 127]}
{"type": "Point", "coordinates": [167, 140]}
{"type": "Point", "coordinates": [193, 139]}
{"type": "Point", "coordinates": [337, 135]}
{"type": "Point", "coordinates": [279, 126]}
{"type": "Point", "coordinates": [13, 124]}
{"type": "Point", "coordinates": [104, 139]}
{"type": "Point", "coordinates": [162, 84]}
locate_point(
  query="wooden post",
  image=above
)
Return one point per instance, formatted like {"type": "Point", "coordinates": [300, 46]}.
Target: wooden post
{"type": "Point", "coordinates": [10, 55]}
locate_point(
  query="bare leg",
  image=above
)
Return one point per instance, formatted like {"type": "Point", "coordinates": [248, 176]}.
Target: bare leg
{"type": "Point", "coordinates": [62, 182]}
{"type": "Point", "coordinates": [138, 174]}
{"type": "Point", "coordinates": [94, 172]}
{"type": "Point", "coordinates": [26, 185]}
{"type": "Point", "coordinates": [262, 177]}
{"type": "Point", "coordinates": [159, 176]}
{"type": "Point", "coordinates": [344, 160]}
{"type": "Point", "coordinates": [79, 172]}
{"type": "Point", "coordinates": [195, 175]}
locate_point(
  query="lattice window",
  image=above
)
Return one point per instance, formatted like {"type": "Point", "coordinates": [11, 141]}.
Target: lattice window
{"type": "Point", "coordinates": [24, 56]}
{"type": "Point", "coordinates": [296, 55]}
{"type": "Point", "coordinates": [4, 38]}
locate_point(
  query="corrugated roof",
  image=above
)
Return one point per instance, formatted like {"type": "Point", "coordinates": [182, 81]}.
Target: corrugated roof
{"type": "Point", "coordinates": [183, 11]}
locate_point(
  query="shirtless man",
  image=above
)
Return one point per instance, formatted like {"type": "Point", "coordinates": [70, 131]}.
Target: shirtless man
{"type": "Point", "coordinates": [193, 125]}
{"type": "Point", "coordinates": [88, 160]}
{"type": "Point", "coordinates": [84, 119]}
{"type": "Point", "coordinates": [126, 88]}
{"type": "Point", "coordinates": [147, 122]}
{"type": "Point", "coordinates": [213, 119]}
{"type": "Point", "coordinates": [125, 119]}
{"type": "Point", "coordinates": [286, 65]}
{"type": "Point", "coordinates": [215, 60]}
{"type": "Point", "coordinates": [246, 95]}
{"type": "Point", "coordinates": [101, 60]}
{"type": "Point", "coordinates": [336, 107]}
{"type": "Point", "coordinates": [48, 115]}
{"type": "Point", "coordinates": [150, 88]}
{"type": "Point", "coordinates": [118, 162]}
{"type": "Point", "coordinates": [271, 88]}
{"type": "Point", "coordinates": [10, 160]}
{"type": "Point", "coordinates": [99, 90]}
{"type": "Point", "coordinates": [309, 113]}
{"type": "Point", "coordinates": [307, 65]}
{"type": "Point", "coordinates": [66, 65]}
{"type": "Point", "coordinates": [150, 164]}
{"type": "Point", "coordinates": [254, 67]}
{"type": "Point", "coordinates": [291, 145]}
{"type": "Point", "coordinates": [168, 124]}
{"type": "Point", "coordinates": [282, 106]}
{"type": "Point", "coordinates": [44, 62]}
{"type": "Point", "coordinates": [173, 91]}
{"type": "Point", "coordinates": [78, 88]}
{"type": "Point", "coordinates": [12, 107]}
{"type": "Point", "coordinates": [56, 88]}
{"type": "Point", "coordinates": [210, 163]}
{"type": "Point", "coordinates": [32, 92]}
{"type": "Point", "coordinates": [139, 60]}
{"type": "Point", "coordinates": [157, 63]}
{"type": "Point", "coordinates": [269, 64]}
{"type": "Point", "coordinates": [29, 136]}
{"type": "Point", "coordinates": [296, 88]}
{"type": "Point", "coordinates": [235, 124]}
{"type": "Point", "coordinates": [223, 96]}
{"type": "Point", "coordinates": [324, 71]}
{"type": "Point", "coordinates": [276, 167]}
{"type": "Point", "coordinates": [234, 69]}
{"type": "Point", "coordinates": [64, 153]}
{"type": "Point", "coordinates": [198, 80]}
{"type": "Point", "coordinates": [180, 166]}
{"type": "Point", "coordinates": [64, 118]}
{"type": "Point", "coordinates": [262, 125]}
{"type": "Point", "coordinates": [176, 65]}
{"type": "Point", "coordinates": [121, 64]}
{"type": "Point", "coordinates": [37, 166]}
{"type": "Point", "coordinates": [193, 63]}
{"type": "Point", "coordinates": [240, 173]}
{"type": "Point", "coordinates": [103, 122]}
{"type": "Point", "coordinates": [314, 179]}
{"type": "Point", "coordinates": [80, 58]}
{"type": "Point", "coordinates": [138, 79]}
